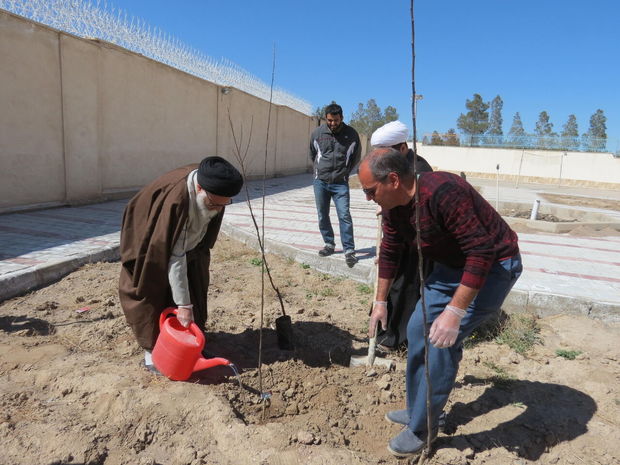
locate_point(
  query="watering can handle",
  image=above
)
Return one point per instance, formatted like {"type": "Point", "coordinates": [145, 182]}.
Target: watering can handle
{"type": "Point", "coordinates": [170, 311]}
{"type": "Point", "coordinates": [193, 327]}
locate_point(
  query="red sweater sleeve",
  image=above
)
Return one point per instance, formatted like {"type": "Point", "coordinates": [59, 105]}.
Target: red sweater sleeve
{"type": "Point", "coordinates": [392, 246]}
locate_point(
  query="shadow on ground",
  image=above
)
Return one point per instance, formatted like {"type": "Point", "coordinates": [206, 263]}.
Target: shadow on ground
{"type": "Point", "coordinates": [551, 414]}
{"type": "Point", "coordinates": [26, 325]}
{"type": "Point", "coordinates": [317, 344]}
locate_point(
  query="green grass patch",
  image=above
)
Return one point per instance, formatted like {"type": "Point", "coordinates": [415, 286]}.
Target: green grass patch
{"type": "Point", "coordinates": [256, 261]}
{"type": "Point", "coordinates": [519, 332]}
{"type": "Point", "coordinates": [501, 379]}
{"type": "Point", "coordinates": [364, 289]}
{"type": "Point", "coordinates": [327, 292]}
{"type": "Point", "coordinates": [305, 266]}
{"type": "Point", "coordinates": [567, 354]}
{"type": "Point", "coordinates": [487, 332]}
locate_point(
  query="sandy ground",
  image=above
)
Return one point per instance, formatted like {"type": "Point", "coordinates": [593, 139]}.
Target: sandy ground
{"type": "Point", "coordinates": [72, 390]}
{"type": "Point", "coordinates": [582, 201]}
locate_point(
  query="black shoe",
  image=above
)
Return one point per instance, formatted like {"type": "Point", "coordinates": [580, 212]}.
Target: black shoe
{"type": "Point", "coordinates": [326, 251]}
{"type": "Point", "coordinates": [351, 259]}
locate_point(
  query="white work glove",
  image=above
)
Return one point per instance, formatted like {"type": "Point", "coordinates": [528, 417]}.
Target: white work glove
{"type": "Point", "coordinates": [445, 328]}
{"type": "Point", "coordinates": [378, 314]}
{"type": "Point", "coordinates": [185, 314]}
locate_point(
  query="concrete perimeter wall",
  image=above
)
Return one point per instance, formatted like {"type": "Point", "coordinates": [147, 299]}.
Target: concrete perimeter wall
{"type": "Point", "coordinates": [537, 166]}
{"type": "Point", "coordinates": [83, 120]}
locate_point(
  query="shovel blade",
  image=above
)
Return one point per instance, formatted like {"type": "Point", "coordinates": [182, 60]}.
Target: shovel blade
{"type": "Point", "coordinates": [284, 331]}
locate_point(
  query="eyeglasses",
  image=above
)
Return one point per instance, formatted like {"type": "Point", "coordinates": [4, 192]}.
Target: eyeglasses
{"type": "Point", "coordinates": [213, 204]}
{"type": "Point", "coordinates": [371, 191]}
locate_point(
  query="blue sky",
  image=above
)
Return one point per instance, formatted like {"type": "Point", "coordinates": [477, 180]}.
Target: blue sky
{"type": "Point", "coordinates": [560, 56]}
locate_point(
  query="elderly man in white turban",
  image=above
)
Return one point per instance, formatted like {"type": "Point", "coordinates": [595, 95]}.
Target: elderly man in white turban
{"type": "Point", "coordinates": [405, 290]}
{"type": "Point", "coordinates": [395, 135]}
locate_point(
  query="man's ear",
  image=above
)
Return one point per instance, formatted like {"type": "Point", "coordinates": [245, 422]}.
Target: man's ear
{"type": "Point", "coordinates": [394, 179]}
{"type": "Point", "coordinates": [198, 188]}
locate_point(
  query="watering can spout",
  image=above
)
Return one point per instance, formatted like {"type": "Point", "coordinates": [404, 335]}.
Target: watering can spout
{"type": "Point", "coordinates": [204, 363]}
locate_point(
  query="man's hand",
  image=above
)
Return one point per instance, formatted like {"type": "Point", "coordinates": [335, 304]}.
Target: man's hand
{"type": "Point", "coordinates": [379, 314]}
{"type": "Point", "coordinates": [185, 314]}
{"type": "Point", "coordinates": [445, 328]}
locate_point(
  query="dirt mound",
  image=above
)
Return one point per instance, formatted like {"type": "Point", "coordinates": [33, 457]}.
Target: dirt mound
{"type": "Point", "coordinates": [72, 389]}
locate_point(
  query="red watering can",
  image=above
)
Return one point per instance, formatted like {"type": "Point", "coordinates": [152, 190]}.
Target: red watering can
{"type": "Point", "coordinates": [178, 350]}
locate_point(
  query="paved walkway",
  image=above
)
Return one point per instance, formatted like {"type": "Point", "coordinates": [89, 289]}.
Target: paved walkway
{"type": "Point", "coordinates": [563, 273]}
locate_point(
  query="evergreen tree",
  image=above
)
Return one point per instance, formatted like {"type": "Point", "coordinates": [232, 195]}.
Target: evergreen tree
{"type": "Point", "coordinates": [367, 119]}
{"type": "Point", "coordinates": [476, 120]}
{"type": "Point", "coordinates": [436, 139]}
{"type": "Point", "coordinates": [544, 130]}
{"type": "Point", "coordinates": [543, 126]}
{"type": "Point", "coordinates": [496, 121]}
{"type": "Point", "coordinates": [570, 133]}
{"type": "Point", "coordinates": [596, 137]}
{"type": "Point", "coordinates": [451, 138]}
{"type": "Point", "coordinates": [517, 133]}
{"type": "Point", "coordinates": [598, 128]}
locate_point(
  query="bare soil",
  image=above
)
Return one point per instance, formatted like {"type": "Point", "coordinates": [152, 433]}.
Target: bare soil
{"type": "Point", "coordinates": [514, 213]}
{"type": "Point", "coordinates": [579, 201]}
{"type": "Point", "coordinates": [72, 390]}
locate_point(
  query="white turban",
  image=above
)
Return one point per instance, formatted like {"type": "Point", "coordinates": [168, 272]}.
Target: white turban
{"type": "Point", "coordinates": [390, 134]}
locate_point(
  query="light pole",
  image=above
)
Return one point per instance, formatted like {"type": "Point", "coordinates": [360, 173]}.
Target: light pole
{"type": "Point", "coordinates": [416, 97]}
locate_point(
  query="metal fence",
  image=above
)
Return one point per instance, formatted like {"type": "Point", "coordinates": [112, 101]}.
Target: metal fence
{"type": "Point", "coordinates": [102, 21]}
{"type": "Point", "coordinates": [532, 142]}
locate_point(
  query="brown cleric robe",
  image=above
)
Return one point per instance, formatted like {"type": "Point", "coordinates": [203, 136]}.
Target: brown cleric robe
{"type": "Point", "coordinates": [153, 221]}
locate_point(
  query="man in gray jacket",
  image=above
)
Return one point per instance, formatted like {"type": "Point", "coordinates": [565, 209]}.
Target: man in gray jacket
{"type": "Point", "coordinates": [335, 151]}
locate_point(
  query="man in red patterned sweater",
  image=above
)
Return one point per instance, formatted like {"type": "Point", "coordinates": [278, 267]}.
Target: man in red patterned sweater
{"type": "Point", "coordinates": [476, 263]}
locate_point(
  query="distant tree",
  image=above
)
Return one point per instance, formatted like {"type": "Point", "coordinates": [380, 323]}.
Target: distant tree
{"type": "Point", "coordinates": [598, 128]}
{"type": "Point", "coordinates": [319, 112]}
{"type": "Point", "coordinates": [544, 130]}
{"type": "Point", "coordinates": [390, 114]}
{"type": "Point", "coordinates": [570, 133]}
{"type": "Point", "coordinates": [451, 138]}
{"type": "Point", "coordinates": [496, 121]}
{"type": "Point", "coordinates": [476, 120]}
{"type": "Point", "coordinates": [367, 119]}
{"type": "Point", "coordinates": [436, 139]}
{"type": "Point", "coordinates": [543, 126]}
{"type": "Point", "coordinates": [517, 133]}
{"type": "Point", "coordinates": [596, 137]}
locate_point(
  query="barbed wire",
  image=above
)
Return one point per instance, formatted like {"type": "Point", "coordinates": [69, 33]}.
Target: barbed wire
{"type": "Point", "coordinates": [548, 142]}
{"type": "Point", "coordinates": [99, 20]}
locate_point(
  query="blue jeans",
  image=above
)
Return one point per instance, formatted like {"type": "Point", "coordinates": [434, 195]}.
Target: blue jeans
{"type": "Point", "coordinates": [444, 363]}
{"type": "Point", "coordinates": [323, 193]}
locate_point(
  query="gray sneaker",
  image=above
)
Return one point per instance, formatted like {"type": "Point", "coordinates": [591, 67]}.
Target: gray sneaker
{"type": "Point", "coordinates": [408, 444]}
{"type": "Point", "coordinates": [401, 417]}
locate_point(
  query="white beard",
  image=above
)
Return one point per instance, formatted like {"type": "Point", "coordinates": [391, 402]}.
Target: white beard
{"type": "Point", "coordinates": [201, 201]}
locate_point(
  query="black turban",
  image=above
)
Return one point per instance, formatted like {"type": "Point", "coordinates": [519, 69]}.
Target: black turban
{"type": "Point", "coordinates": [219, 177]}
